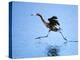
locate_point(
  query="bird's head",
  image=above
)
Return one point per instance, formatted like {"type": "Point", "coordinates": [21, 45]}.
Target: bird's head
{"type": "Point", "coordinates": [33, 14]}
{"type": "Point", "coordinates": [37, 14]}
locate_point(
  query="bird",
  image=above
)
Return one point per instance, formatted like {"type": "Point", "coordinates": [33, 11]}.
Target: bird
{"type": "Point", "coordinates": [52, 25]}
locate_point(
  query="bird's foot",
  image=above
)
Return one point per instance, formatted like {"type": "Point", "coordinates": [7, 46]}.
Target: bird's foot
{"type": "Point", "coordinates": [38, 38]}
{"type": "Point", "coordinates": [41, 37]}
{"type": "Point", "coordinates": [69, 41]}
{"type": "Point", "coordinates": [72, 41]}
{"type": "Point", "coordinates": [65, 39]}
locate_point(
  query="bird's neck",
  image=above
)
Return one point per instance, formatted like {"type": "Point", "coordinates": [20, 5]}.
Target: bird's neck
{"type": "Point", "coordinates": [42, 19]}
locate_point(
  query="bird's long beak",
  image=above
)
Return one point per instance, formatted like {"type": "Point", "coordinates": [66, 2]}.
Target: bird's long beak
{"type": "Point", "coordinates": [33, 14]}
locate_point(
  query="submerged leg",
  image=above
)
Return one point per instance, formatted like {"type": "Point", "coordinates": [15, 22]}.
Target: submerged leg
{"type": "Point", "coordinates": [43, 36]}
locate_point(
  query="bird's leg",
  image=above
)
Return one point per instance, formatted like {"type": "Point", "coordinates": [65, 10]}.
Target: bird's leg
{"type": "Point", "coordinates": [43, 36]}
{"type": "Point", "coordinates": [63, 36]}
{"type": "Point", "coordinates": [66, 39]}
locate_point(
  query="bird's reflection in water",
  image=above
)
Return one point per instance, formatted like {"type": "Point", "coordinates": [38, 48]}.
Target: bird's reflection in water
{"type": "Point", "coordinates": [53, 51]}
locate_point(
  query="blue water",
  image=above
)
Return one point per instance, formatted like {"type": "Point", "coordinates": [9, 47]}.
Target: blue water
{"type": "Point", "coordinates": [25, 28]}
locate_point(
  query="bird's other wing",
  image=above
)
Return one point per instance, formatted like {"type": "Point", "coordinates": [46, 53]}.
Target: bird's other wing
{"type": "Point", "coordinates": [56, 21]}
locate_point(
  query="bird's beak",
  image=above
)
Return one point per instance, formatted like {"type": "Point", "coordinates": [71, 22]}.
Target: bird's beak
{"type": "Point", "coordinates": [33, 14]}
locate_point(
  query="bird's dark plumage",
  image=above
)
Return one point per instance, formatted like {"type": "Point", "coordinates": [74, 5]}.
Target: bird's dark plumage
{"type": "Point", "coordinates": [53, 17]}
{"type": "Point", "coordinates": [53, 21]}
